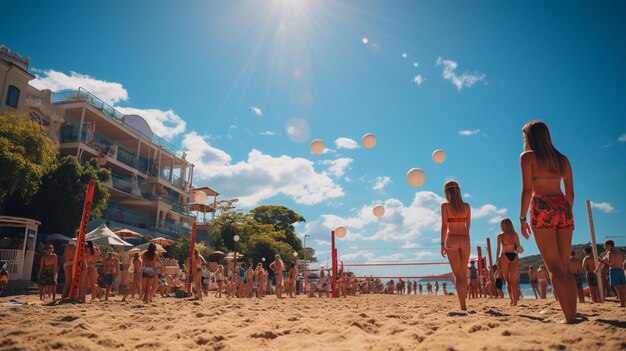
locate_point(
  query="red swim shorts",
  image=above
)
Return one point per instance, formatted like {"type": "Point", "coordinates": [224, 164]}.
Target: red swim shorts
{"type": "Point", "coordinates": [549, 211]}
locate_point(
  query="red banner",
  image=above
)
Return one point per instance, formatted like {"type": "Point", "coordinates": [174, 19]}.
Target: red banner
{"type": "Point", "coordinates": [80, 239]}
{"type": "Point", "coordinates": [192, 247]}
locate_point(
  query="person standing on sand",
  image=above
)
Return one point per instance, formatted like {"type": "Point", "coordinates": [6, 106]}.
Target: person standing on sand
{"type": "Point", "coordinates": [542, 278]}
{"type": "Point", "coordinates": [444, 285]}
{"type": "Point", "coordinates": [415, 288]}
{"type": "Point", "coordinates": [261, 278]}
{"type": "Point", "coordinates": [89, 276]}
{"type": "Point", "coordinates": [614, 260]}
{"type": "Point", "coordinates": [249, 279]}
{"type": "Point", "coordinates": [534, 282]}
{"type": "Point", "coordinates": [68, 265]}
{"type": "Point", "coordinates": [497, 274]}
{"type": "Point", "coordinates": [135, 269]}
{"type": "Point", "coordinates": [455, 239]}
{"type": "Point", "coordinates": [293, 274]}
{"type": "Point", "coordinates": [474, 283]}
{"type": "Point", "coordinates": [577, 269]}
{"type": "Point", "coordinates": [219, 279]}
{"type": "Point", "coordinates": [277, 266]}
{"type": "Point", "coordinates": [198, 262]}
{"type": "Point", "coordinates": [150, 259]}
{"type": "Point", "coordinates": [420, 288]}
{"type": "Point", "coordinates": [436, 287]}
{"type": "Point", "coordinates": [509, 245]}
{"type": "Point", "coordinates": [589, 265]}
{"type": "Point", "coordinates": [47, 274]}
{"type": "Point", "coordinates": [543, 168]}
{"type": "Point", "coordinates": [111, 270]}
{"type": "Point", "coordinates": [429, 288]}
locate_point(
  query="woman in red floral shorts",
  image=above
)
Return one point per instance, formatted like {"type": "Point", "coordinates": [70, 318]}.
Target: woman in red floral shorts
{"type": "Point", "coordinates": [551, 220]}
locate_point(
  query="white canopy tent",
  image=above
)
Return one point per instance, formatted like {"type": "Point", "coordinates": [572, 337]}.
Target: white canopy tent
{"type": "Point", "coordinates": [104, 235]}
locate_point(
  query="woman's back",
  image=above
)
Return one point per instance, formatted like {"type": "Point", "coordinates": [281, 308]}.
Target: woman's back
{"type": "Point", "coordinates": [457, 222]}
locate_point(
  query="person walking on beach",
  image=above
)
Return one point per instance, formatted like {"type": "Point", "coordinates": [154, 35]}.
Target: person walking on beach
{"type": "Point", "coordinates": [277, 266]}
{"type": "Point", "coordinates": [68, 268]}
{"type": "Point", "coordinates": [543, 168]}
{"type": "Point", "coordinates": [589, 265]}
{"type": "Point", "coordinates": [455, 240]}
{"type": "Point", "coordinates": [577, 269]}
{"type": "Point", "coordinates": [89, 276]}
{"type": "Point", "coordinates": [534, 282]}
{"type": "Point", "coordinates": [198, 262]}
{"type": "Point", "coordinates": [150, 259]}
{"type": "Point", "coordinates": [111, 270]}
{"type": "Point", "coordinates": [614, 260]}
{"type": "Point", "coordinates": [135, 270]}
{"type": "Point", "coordinates": [219, 279]}
{"type": "Point", "coordinates": [47, 274]}
{"type": "Point", "coordinates": [508, 245]}
{"type": "Point", "coordinates": [542, 278]}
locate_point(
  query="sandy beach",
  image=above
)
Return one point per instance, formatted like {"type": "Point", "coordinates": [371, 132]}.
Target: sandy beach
{"type": "Point", "coordinates": [369, 322]}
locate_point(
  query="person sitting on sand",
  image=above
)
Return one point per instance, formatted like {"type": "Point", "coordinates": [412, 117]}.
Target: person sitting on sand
{"type": "Point", "coordinates": [589, 266]}
{"type": "Point", "coordinates": [577, 270]}
{"type": "Point", "coordinates": [614, 260]}
{"type": "Point", "coordinates": [542, 279]}
{"type": "Point", "coordinates": [68, 267]}
{"type": "Point", "coordinates": [277, 266]}
{"type": "Point", "coordinates": [219, 279]}
{"type": "Point", "coordinates": [47, 274]}
{"type": "Point", "coordinates": [150, 258]}
{"type": "Point", "coordinates": [508, 247]}
{"type": "Point", "coordinates": [455, 238]}
{"type": "Point", "coordinates": [111, 270]}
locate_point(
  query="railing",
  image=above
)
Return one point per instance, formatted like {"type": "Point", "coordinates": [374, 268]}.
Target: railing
{"type": "Point", "coordinates": [166, 174]}
{"type": "Point", "coordinates": [121, 183]}
{"type": "Point", "coordinates": [177, 206]}
{"type": "Point", "coordinates": [84, 95]}
{"type": "Point", "coordinates": [173, 229]}
{"type": "Point", "coordinates": [122, 215]}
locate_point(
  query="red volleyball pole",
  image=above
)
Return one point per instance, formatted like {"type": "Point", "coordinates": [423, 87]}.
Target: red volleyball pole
{"type": "Point", "coordinates": [80, 239]}
{"type": "Point", "coordinates": [192, 248]}
{"type": "Point", "coordinates": [480, 268]}
{"type": "Point", "coordinates": [489, 252]}
{"type": "Point", "coordinates": [334, 264]}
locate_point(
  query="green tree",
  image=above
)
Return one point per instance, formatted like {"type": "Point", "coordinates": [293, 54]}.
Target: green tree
{"type": "Point", "coordinates": [26, 153]}
{"type": "Point", "coordinates": [226, 225]}
{"type": "Point", "coordinates": [282, 218]}
{"type": "Point", "coordinates": [266, 246]}
{"type": "Point", "coordinates": [180, 250]}
{"type": "Point", "coordinates": [59, 202]}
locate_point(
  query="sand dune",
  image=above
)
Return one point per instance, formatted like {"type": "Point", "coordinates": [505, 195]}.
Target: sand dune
{"type": "Point", "coordinates": [371, 322]}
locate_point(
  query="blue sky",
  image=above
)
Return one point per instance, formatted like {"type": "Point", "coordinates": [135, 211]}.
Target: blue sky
{"type": "Point", "coordinates": [225, 80]}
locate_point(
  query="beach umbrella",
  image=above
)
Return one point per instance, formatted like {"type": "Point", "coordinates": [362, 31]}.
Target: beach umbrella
{"type": "Point", "coordinates": [133, 251]}
{"type": "Point", "coordinates": [58, 236]}
{"type": "Point", "coordinates": [162, 241]}
{"type": "Point", "coordinates": [127, 233]}
{"type": "Point", "coordinates": [104, 235]}
{"type": "Point", "coordinates": [231, 255]}
{"type": "Point", "coordinates": [144, 247]}
{"type": "Point", "coordinates": [218, 254]}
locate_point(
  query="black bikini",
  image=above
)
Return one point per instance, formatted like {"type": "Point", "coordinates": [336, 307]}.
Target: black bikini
{"type": "Point", "coordinates": [510, 255]}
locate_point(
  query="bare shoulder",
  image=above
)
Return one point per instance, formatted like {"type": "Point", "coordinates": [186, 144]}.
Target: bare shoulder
{"type": "Point", "coordinates": [527, 156]}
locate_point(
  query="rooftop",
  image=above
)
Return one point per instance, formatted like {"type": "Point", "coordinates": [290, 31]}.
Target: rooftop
{"type": "Point", "coordinates": [14, 58]}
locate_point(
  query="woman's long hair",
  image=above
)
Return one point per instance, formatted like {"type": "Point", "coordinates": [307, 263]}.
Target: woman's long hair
{"type": "Point", "coordinates": [507, 226]}
{"type": "Point", "coordinates": [453, 195]}
{"type": "Point", "coordinates": [151, 253]}
{"type": "Point", "coordinates": [92, 249]}
{"type": "Point", "coordinates": [537, 138]}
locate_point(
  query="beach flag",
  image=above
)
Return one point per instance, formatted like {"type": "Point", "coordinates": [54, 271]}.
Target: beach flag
{"type": "Point", "coordinates": [80, 239]}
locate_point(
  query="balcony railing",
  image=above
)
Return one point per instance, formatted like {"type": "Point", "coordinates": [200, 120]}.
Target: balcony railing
{"type": "Point", "coordinates": [123, 216]}
{"type": "Point", "coordinates": [84, 95]}
{"type": "Point", "coordinates": [166, 174]}
{"type": "Point", "coordinates": [177, 206]}
{"type": "Point", "coordinates": [173, 229]}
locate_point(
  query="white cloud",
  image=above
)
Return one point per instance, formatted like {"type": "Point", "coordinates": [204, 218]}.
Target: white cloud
{"type": "Point", "coordinates": [494, 213]}
{"type": "Point", "coordinates": [232, 126]}
{"type": "Point", "coordinates": [469, 132]}
{"type": "Point", "coordinates": [466, 196]}
{"type": "Point", "coordinates": [465, 80]}
{"type": "Point", "coordinates": [346, 143]}
{"type": "Point", "coordinates": [260, 177]}
{"type": "Point", "coordinates": [418, 80]}
{"type": "Point", "coordinates": [256, 111]}
{"type": "Point", "coordinates": [338, 166]}
{"type": "Point", "coordinates": [322, 242]}
{"type": "Point", "coordinates": [381, 182]}
{"type": "Point", "coordinates": [164, 123]}
{"type": "Point", "coordinates": [622, 138]}
{"type": "Point", "coordinates": [109, 92]}
{"type": "Point", "coordinates": [268, 133]}
{"type": "Point", "coordinates": [603, 206]}
{"type": "Point", "coordinates": [409, 245]}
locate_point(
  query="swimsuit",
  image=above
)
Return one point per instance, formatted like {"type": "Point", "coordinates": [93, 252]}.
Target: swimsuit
{"type": "Point", "coordinates": [579, 280]}
{"type": "Point", "coordinates": [499, 283]}
{"type": "Point", "coordinates": [534, 282]}
{"type": "Point", "coordinates": [47, 278]}
{"type": "Point", "coordinates": [148, 272]}
{"type": "Point", "coordinates": [510, 255]}
{"type": "Point", "coordinates": [592, 279]}
{"type": "Point", "coordinates": [548, 211]}
{"type": "Point", "coordinates": [616, 275]}
{"type": "Point", "coordinates": [108, 279]}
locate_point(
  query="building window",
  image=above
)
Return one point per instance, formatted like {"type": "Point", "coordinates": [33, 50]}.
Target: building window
{"type": "Point", "coordinates": [13, 96]}
{"type": "Point", "coordinates": [37, 118]}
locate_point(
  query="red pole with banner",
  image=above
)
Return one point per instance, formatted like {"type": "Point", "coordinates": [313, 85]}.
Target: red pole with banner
{"type": "Point", "coordinates": [192, 248]}
{"type": "Point", "coordinates": [334, 264]}
{"type": "Point", "coordinates": [80, 239]}
{"type": "Point", "coordinates": [489, 252]}
{"type": "Point", "coordinates": [480, 266]}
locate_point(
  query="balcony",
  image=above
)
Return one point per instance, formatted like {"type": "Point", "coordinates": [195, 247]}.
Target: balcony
{"type": "Point", "coordinates": [177, 206]}
{"type": "Point", "coordinates": [172, 229]}
{"type": "Point", "coordinates": [165, 174]}
{"type": "Point", "coordinates": [147, 223]}
{"type": "Point", "coordinates": [82, 95]}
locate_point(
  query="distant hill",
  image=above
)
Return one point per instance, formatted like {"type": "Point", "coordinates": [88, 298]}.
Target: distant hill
{"type": "Point", "coordinates": [536, 260]}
